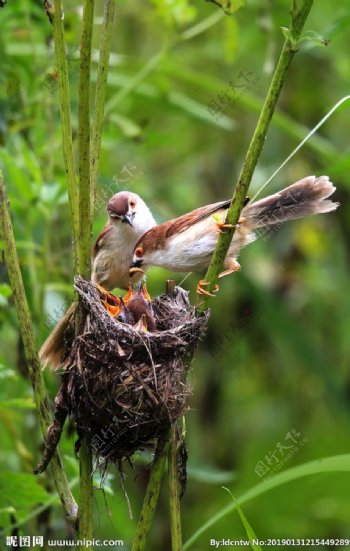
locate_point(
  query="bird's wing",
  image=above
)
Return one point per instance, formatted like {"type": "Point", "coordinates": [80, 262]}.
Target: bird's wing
{"type": "Point", "coordinates": [184, 222]}
{"type": "Point", "coordinates": [100, 240]}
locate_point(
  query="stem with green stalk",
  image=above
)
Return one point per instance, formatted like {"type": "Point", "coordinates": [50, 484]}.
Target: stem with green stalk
{"type": "Point", "coordinates": [174, 498]}
{"type": "Point", "coordinates": [27, 333]}
{"type": "Point", "coordinates": [66, 124]}
{"type": "Point", "coordinates": [298, 18]}
{"type": "Point", "coordinates": [100, 96]}
{"type": "Point", "coordinates": [152, 492]}
{"type": "Point", "coordinates": [85, 517]}
{"type": "Point", "coordinates": [84, 141]}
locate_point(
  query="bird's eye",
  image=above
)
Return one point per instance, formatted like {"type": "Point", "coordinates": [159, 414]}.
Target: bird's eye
{"type": "Point", "coordinates": [139, 252]}
{"type": "Point", "coordinates": [132, 203]}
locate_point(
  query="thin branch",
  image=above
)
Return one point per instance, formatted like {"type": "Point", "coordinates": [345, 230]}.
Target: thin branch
{"type": "Point", "coordinates": [298, 18]}
{"type": "Point", "coordinates": [84, 140]}
{"type": "Point", "coordinates": [56, 16]}
{"type": "Point", "coordinates": [27, 333]}
{"type": "Point", "coordinates": [174, 498]}
{"type": "Point", "coordinates": [151, 496]}
{"type": "Point", "coordinates": [100, 96]}
{"type": "Point", "coordinates": [85, 516]}
{"type": "Point", "coordinates": [85, 523]}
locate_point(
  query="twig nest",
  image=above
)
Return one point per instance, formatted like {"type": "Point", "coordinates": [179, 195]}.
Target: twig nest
{"type": "Point", "coordinates": [124, 386]}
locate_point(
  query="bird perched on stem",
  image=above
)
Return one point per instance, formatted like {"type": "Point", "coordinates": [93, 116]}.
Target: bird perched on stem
{"type": "Point", "coordinates": [187, 243]}
{"type": "Point", "coordinates": [129, 219]}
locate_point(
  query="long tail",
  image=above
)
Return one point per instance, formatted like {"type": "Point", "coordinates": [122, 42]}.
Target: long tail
{"type": "Point", "coordinates": [308, 196]}
{"type": "Point", "coordinates": [52, 350]}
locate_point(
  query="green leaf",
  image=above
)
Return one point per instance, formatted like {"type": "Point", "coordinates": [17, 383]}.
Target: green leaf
{"type": "Point", "coordinates": [313, 37]}
{"type": "Point", "coordinates": [18, 403]}
{"type": "Point", "coordinates": [336, 463]}
{"type": "Point", "coordinates": [175, 12]}
{"type": "Point", "coordinates": [249, 530]}
{"type": "Point", "coordinates": [5, 290]}
{"type": "Point", "coordinates": [209, 475]}
{"type": "Point", "coordinates": [20, 491]}
{"type": "Point", "coordinates": [7, 373]}
{"type": "Point", "coordinates": [129, 128]}
{"type": "Point", "coordinates": [229, 6]}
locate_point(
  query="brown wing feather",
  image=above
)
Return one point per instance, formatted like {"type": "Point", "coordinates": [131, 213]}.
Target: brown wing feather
{"type": "Point", "coordinates": [100, 239]}
{"type": "Point", "coordinates": [181, 224]}
{"type": "Point", "coordinates": [156, 237]}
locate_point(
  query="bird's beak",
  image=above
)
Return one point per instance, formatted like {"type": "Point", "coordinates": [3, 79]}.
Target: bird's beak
{"type": "Point", "coordinates": [133, 271]}
{"type": "Point", "coordinates": [127, 218]}
{"type": "Point", "coordinates": [136, 268]}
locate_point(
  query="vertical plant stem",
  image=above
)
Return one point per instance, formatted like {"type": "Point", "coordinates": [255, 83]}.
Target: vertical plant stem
{"type": "Point", "coordinates": [151, 496]}
{"type": "Point", "coordinates": [85, 516]}
{"type": "Point", "coordinates": [66, 124]}
{"type": "Point", "coordinates": [174, 498]}
{"type": "Point", "coordinates": [85, 496]}
{"type": "Point", "coordinates": [84, 140]}
{"type": "Point", "coordinates": [100, 95]}
{"type": "Point", "coordinates": [27, 333]}
{"type": "Point", "coordinates": [298, 18]}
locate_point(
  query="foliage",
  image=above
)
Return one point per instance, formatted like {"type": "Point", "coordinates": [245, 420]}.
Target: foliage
{"type": "Point", "coordinates": [277, 353]}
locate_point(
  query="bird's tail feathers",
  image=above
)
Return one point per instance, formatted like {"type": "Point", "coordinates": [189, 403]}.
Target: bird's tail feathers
{"type": "Point", "coordinates": [305, 197]}
{"type": "Point", "coordinates": [52, 350]}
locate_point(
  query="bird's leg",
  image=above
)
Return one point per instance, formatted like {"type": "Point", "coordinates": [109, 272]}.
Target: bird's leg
{"type": "Point", "coordinates": [222, 225]}
{"type": "Point", "coordinates": [202, 283]}
{"type": "Point", "coordinates": [106, 294]}
{"type": "Point", "coordinates": [233, 266]}
{"type": "Point", "coordinates": [114, 308]}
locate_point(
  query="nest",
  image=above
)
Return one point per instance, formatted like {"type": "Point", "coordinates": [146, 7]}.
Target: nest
{"type": "Point", "coordinates": [125, 387]}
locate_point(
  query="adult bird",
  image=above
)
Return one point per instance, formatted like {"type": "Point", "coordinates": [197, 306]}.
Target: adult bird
{"type": "Point", "coordinates": [128, 219]}
{"type": "Point", "coordinates": [187, 243]}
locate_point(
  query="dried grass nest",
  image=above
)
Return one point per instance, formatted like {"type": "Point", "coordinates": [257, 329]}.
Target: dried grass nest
{"type": "Point", "coordinates": [125, 387]}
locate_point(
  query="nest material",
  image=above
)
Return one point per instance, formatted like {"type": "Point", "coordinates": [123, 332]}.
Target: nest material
{"type": "Point", "coordinates": [125, 387]}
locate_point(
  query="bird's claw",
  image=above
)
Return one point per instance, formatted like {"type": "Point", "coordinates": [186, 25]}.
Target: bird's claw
{"type": "Point", "coordinates": [222, 226]}
{"type": "Point", "coordinates": [234, 266]}
{"type": "Point", "coordinates": [110, 301]}
{"type": "Point", "coordinates": [200, 291]}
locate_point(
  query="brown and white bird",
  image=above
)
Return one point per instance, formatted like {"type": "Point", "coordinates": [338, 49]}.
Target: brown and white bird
{"type": "Point", "coordinates": [129, 219]}
{"type": "Point", "coordinates": [187, 243]}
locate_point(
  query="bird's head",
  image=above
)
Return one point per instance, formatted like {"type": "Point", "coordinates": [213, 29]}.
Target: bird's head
{"type": "Point", "coordinates": [128, 208]}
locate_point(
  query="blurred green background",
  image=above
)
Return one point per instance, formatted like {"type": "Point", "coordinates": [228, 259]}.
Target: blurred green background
{"type": "Point", "coordinates": [274, 366]}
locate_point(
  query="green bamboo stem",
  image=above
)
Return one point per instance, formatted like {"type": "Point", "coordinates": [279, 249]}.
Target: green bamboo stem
{"type": "Point", "coordinates": [174, 498]}
{"type": "Point", "coordinates": [151, 496]}
{"type": "Point", "coordinates": [27, 333]}
{"type": "Point", "coordinates": [85, 514]}
{"type": "Point", "coordinates": [298, 18]}
{"type": "Point", "coordinates": [84, 140]}
{"type": "Point", "coordinates": [66, 124]}
{"type": "Point", "coordinates": [85, 524]}
{"type": "Point", "coordinates": [100, 96]}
